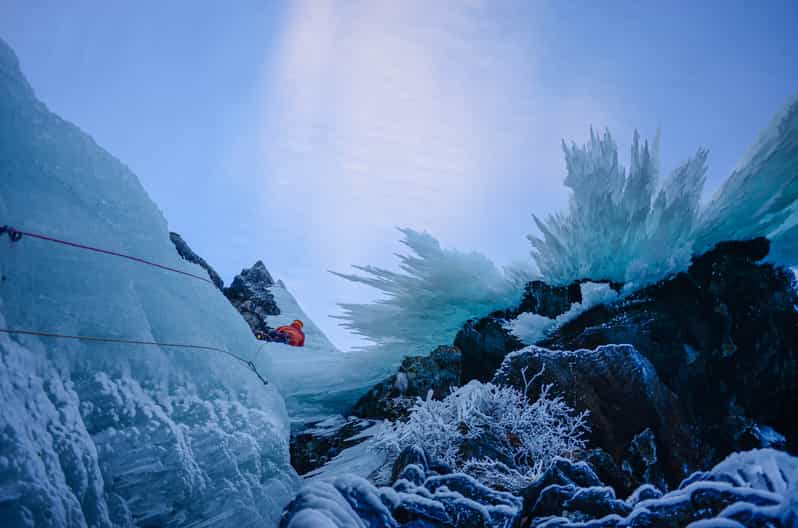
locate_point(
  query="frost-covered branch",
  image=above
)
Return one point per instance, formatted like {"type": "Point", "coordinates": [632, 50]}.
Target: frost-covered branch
{"type": "Point", "coordinates": [491, 432]}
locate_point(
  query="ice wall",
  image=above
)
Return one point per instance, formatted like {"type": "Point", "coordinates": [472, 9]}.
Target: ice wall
{"type": "Point", "coordinates": [95, 434]}
{"type": "Point", "coordinates": [760, 198]}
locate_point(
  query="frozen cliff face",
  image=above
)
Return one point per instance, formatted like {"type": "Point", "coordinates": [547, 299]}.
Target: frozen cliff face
{"type": "Point", "coordinates": [760, 198]}
{"type": "Point", "coordinates": [96, 434]}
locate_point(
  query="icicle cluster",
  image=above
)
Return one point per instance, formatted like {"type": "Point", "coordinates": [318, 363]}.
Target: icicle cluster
{"type": "Point", "coordinates": [435, 291]}
{"type": "Point", "coordinates": [621, 225]}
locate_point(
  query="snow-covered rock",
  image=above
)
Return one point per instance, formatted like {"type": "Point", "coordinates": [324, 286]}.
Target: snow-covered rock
{"type": "Point", "coordinates": [750, 489]}
{"type": "Point", "coordinates": [393, 398]}
{"type": "Point", "coordinates": [435, 500]}
{"type": "Point", "coordinates": [99, 434]}
{"type": "Point", "coordinates": [621, 390]}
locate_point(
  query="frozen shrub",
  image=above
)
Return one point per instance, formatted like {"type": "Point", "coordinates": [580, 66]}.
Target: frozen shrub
{"type": "Point", "coordinates": [492, 432]}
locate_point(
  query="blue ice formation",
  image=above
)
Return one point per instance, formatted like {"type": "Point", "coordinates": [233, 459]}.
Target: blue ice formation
{"type": "Point", "coordinates": [427, 301]}
{"type": "Point", "coordinates": [624, 225]}
{"type": "Point", "coordinates": [99, 434]}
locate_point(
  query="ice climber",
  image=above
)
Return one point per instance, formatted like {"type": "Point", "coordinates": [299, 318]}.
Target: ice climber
{"type": "Point", "coordinates": [289, 334]}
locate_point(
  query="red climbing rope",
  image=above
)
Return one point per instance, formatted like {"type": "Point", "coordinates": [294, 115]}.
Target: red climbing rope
{"type": "Point", "coordinates": [16, 234]}
{"type": "Point", "coordinates": [247, 362]}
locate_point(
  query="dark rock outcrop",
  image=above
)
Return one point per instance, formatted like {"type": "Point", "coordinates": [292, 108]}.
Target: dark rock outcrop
{"type": "Point", "coordinates": [249, 293]}
{"type": "Point", "coordinates": [547, 300]}
{"type": "Point", "coordinates": [185, 251]}
{"type": "Point", "coordinates": [723, 336]}
{"type": "Point", "coordinates": [317, 443]}
{"type": "Point", "coordinates": [625, 397]}
{"type": "Point", "coordinates": [484, 343]}
{"type": "Point", "coordinates": [392, 399]}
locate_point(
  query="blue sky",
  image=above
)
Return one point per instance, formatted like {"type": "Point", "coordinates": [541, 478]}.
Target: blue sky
{"type": "Point", "coordinates": [302, 133]}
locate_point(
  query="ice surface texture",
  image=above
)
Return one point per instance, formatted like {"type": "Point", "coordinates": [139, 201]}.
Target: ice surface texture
{"type": "Point", "coordinates": [620, 226]}
{"type": "Point", "coordinates": [94, 434]}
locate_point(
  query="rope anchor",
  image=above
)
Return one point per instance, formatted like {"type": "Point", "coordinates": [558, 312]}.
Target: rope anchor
{"type": "Point", "coordinates": [255, 370]}
{"type": "Point", "coordinates": [13, 234]}
{"type": "Point", "coordinates": [16, 235]}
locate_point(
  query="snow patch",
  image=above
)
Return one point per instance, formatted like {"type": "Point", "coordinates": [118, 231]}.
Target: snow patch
{"type": "Point", "coordinates": [531, 328]}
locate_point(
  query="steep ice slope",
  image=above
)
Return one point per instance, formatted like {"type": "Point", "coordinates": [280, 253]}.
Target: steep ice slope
{"type": "Point", "coordinates": [290, 310]}
{"type": "Point", "coordinates": [318, 379]}
{"type": "Point", "coordinates": [95, 434]}
{"type": "Point", "coordinates": [760, 198]}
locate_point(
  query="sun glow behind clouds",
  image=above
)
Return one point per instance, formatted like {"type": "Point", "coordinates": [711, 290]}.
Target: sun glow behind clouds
{"type": "Point", "coordinates": [428, 115]}
{"type": "Point", "coordinates": [386, 107]}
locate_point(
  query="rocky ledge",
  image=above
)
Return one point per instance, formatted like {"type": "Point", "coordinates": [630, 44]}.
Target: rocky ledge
{"type": "Point", "coordinates": [392, 399]}
{"type": "Point", "coordinates": [185, 252]}
{"type": "Point", "coordinates": [314, 444]}
{"type": "Point", "coordinates": [250, 294]}
{"type": "Point", "coordinates": [722, 337]}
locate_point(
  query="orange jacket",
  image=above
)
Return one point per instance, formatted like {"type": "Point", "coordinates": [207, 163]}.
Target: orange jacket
{"type": "Point", "coordinates": [296, 337]}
